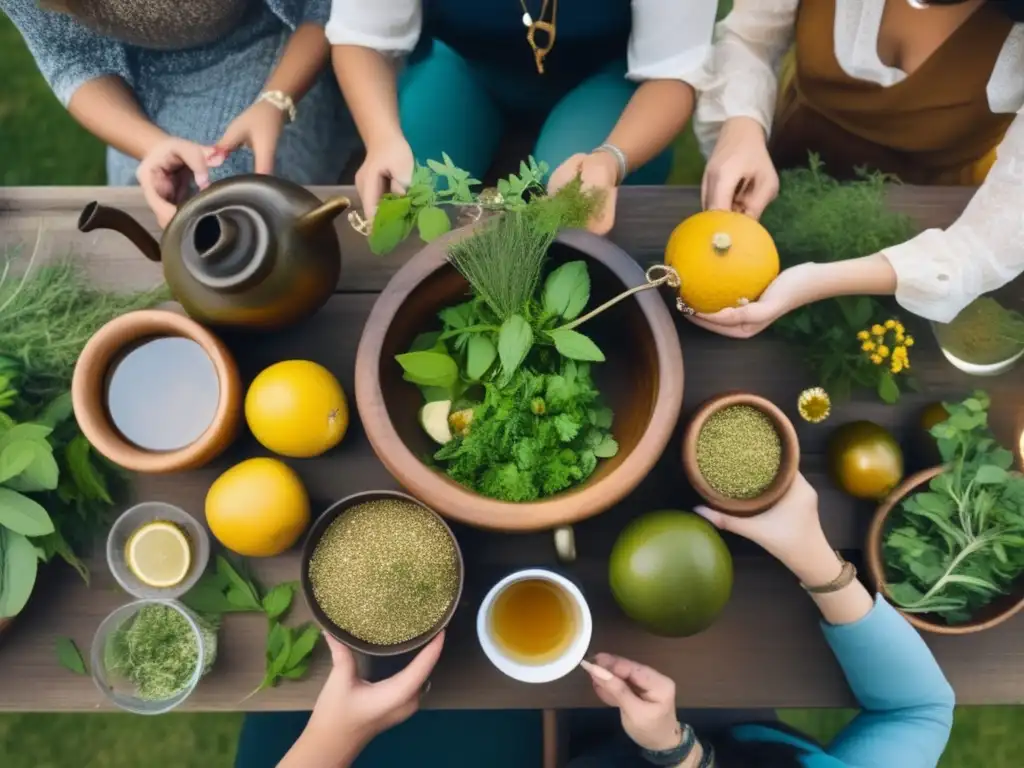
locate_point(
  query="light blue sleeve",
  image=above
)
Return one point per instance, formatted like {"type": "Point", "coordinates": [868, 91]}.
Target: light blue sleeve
{"type": "Point", "coordinates": [906, 700]}
{"type": "Point", "coordinates": [66, 53]}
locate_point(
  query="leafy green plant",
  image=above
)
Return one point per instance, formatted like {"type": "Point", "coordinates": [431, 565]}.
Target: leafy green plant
{"type": "Point", "coordinates": [953, 548]}
{"type": "Point", "coordinates": [69, 656]}
{"type": "Point", "coordinates": [442, 183]}
{"type": "Point", "coordinates": [227, 588]}
{"type": "Point", "coordinates": [819, 219]}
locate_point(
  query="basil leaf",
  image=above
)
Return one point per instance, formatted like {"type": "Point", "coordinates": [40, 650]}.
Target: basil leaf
{"type": "Point", "coordinates": [278, 638]}
{"type": "Point", "coordinates": [304, 644]}
{"type": "Point", "coordinates": [514, 341]}
{"type": "Point", "coordinates": [607, 448]}
{"type": "Point", "coordinates": [392, 223]}
{"type": "Point", "coordinates": [567, 290]}
{"type": "Point", "coordinates": [34, 432]}
{"type": "Point", "coordinates": [427, 342]}
{"type": "Point", "coordinates": [209, 599]}
{"type": "Point", "coordinates": [40, 474]}
{"type": "Point", "coordinates": [15, 459]}
{"type": "Point", "coordinates": [297, 672]}
{"type": "Point", "coordinates": [19, 562]}
{"type": "Point", "coordinates": [429, 369]}
{"type": "Point", "coordinates": [23, 515]}
{"type": "Point", "coordinates": [990, 474]}
{"type": "Point", "coordinates": [480, 354]}
{"type": "Point", "coordinates": [459, 316]}
{"type": "Point", "coordinates": [279, 599]}
{"type": "Point", "coordinates": [432, 223]}
{"type": "Point", "coordinates": [576, 346]}
{"type": "Point", "coordinates": [69, 656]}
{"type": "Point", "coordinates": [240, 592]}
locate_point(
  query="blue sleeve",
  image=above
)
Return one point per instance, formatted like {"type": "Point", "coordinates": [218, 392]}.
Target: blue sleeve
{"type": "Point", "coordinates": [907, 701]}
{"type": "Point", "coordinates": [66, 53]}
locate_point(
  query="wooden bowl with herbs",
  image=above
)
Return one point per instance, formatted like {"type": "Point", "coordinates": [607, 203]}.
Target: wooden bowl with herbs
{"type": "Point", "coordinates": [490, 405]}
{"type": "Point", "coordinates": [740, 453]}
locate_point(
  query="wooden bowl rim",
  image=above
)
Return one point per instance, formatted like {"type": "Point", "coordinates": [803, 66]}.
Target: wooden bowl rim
{"type": "Point", "coordinates": [876, 567]}
{"type": "Point", "coordinates": [564, 508]}
{"type": "Point", "coordinates": [788, 466]}
{"type": "Point", "coordinates": [87, 390]}
{"type": "Point", "coordinates": [316, 532]}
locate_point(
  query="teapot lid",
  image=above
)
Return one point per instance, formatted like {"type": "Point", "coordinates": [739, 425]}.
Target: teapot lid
{"type": "Point", "coordinates": [227, 248]}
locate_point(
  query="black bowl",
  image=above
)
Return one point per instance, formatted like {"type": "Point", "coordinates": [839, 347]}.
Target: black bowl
{"type": "Point", "coordinates": [361, 646]}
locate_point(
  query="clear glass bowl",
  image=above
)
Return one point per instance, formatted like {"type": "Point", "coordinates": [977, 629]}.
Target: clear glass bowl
{"type": "Point", "coordinates": [122, 691]}
{"type": "Point", "coordinates": [136, 517]}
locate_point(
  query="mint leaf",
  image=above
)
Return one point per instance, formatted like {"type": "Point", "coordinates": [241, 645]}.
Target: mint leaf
{"type": "Point", "coordinates": [69, 656]}
{"type": "Point", "coordinates": [23, 515]}
{"type": "Point", "coordinates": [514, 341]}
{"type": "Point", "coordinates": [429, 369]}
{"type": "Point", "coordinates": [567, 290]}
{"type": "Point", "coordinates": [480, 354]}
{"type": "Point", "coordinates": [575, 345]}
{"type": "Point", "coordinates": [432, 223]}
{"type": "Point", "coordinates": [279, 599]}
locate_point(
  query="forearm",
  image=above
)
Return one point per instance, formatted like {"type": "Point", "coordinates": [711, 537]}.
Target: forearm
{"type": "Point", "coordinates": [368, 82]}
{"type": "Point", "coordinates": [107, 108]}
{"type": "Point", "coordinates": [818, 565]}
{"type": "Point", "coordinates": [657, 113]}
{"type": "Point", "coordinates": [867, 276]}
{"type": "Point", "coordinates": [303, 59]}
{"type": "Point", "coordinates": [313, 750]}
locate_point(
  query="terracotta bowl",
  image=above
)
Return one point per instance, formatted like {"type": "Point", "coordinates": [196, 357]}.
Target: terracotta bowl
{"type": "Point", "coordinates": [642, 381]}
{"type": "Point", "coordinates": [88, 387]}
{"type": "Point", "coordinates": [331, 514]}
{"type": "Point", "coordinates": [788, 468]}
{"type": "Point", "coordinates": [991, 615]}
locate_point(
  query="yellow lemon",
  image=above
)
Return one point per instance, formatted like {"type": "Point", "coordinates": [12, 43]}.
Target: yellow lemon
{"type": "Point", "coordinates": [297, 408]}
{"type": "Point", "coordinates": [159, 555]}
{"type": "Point", "coordinates": [724, 259]}
{"type": "Point", "coordinates": [258, 508]}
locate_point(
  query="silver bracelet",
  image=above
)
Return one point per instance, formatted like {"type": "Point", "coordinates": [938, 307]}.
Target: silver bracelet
{"type": "Point", "coordinates": [282, 101]}
{"type": "Point", "coordinates": [620, 160]}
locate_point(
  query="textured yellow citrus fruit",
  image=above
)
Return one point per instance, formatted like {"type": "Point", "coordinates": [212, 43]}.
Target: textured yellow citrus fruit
{"type": "Point", "coordinates": [297, 408]}
{"type": "Point", "coordinates": [258, 508]}
{"type": "Point", "coordinates": [724, 259]}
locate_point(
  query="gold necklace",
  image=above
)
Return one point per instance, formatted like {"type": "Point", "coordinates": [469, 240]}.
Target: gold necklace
{"type": "Point", "coordinates": [540, 25]}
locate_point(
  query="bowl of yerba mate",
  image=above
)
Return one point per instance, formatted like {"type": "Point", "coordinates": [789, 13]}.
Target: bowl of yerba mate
{"type": "Point", "coordinates": [382, 572]}
{"type": "Point", "coordinates": [741, 453]}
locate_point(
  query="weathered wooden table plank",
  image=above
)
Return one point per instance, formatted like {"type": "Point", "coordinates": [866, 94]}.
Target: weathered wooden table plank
{"type": "Point", "coordinates": [765, 651]}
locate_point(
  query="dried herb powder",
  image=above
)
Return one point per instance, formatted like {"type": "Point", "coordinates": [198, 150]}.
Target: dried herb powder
{"type": "Point", "coordinates": [983, 333]}
{"type": "Point", "coordinates": [385, 571]}
{"type": "Point", "coordinates": [156, 650]}
{"type": "Point", "coordinates": [739, 451]}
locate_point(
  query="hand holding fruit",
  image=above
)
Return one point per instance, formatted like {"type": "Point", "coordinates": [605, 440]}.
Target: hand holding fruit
{"type": "Point", "coordinates": [646, 699]}
{"type": "Point", "coordinates": [598, 170]}
{"type": "Point", "coordinates": [168, 170]}
{"type": "Point", "coordinates": [740, 175]}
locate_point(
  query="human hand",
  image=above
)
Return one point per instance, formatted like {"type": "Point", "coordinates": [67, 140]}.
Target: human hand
{"type": "Point", "coordinates": [646, 700]}
{"type": "Point", "coordinates": [388, 167]}
{"type": "Point", "coordinates": [790, 531]}
{"type": "Point", "coordinates": [793, 288]}
{"type": "Point", "coordinates": [167, 171]}
{"type": "Point", "coordinates": [740, 175]}
{"type": "Point", "coordinates": [598, 171]}
{"type": "Point", "coordinates": [259, 128]}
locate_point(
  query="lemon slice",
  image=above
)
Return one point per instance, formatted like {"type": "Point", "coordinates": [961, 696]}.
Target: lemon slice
{"type": "Point", "coordinates": [159, 555]}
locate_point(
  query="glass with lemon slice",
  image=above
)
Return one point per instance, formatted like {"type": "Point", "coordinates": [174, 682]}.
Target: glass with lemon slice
{"type": "Point", "coordinates": [157, 550]}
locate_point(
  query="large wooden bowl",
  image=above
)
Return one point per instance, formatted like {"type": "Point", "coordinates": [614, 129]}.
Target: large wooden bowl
{"type": "Point", "coordinates": [991, 615]}
{"type": "Point", "coordinates": [641, 380]}
{"type": "Point", "coordinates": [788, 467]}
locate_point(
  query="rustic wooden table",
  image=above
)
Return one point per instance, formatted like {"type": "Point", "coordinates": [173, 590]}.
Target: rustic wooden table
{"type": "Point", "coordinates": [765, 651]}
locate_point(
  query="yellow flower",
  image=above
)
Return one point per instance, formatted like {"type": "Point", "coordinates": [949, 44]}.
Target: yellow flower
{"type": "Point", "coordinates": [909, 341]}
{"type": "Point", "coordinates": [814, 405]}
{"type": "Point", "coordinates": [900, 329]}
{"type": "Point", "coordinates": [883, 351]}
{"type": "Point", "coordinates": [877, 330]}
{"type": "Point", "coordinates": [899, 337]}
{"type": "Point", "coordinates": [863, 336]}
{"type": "Point", "coordinates": [868, 346]}
{"type": "Point", "coordinates": [876, 359]}
{"type": "Point", "coordinates": [890, 324]}
{"type": "Point", "coordinates": [896, 367]}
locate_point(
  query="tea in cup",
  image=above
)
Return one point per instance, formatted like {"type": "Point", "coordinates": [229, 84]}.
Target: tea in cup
{"type": "Point", "coordinates": [535, 626]}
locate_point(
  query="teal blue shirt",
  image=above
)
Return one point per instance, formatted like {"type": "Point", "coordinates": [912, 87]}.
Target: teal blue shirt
{"type": "Point", "coordinates": [907, 704]}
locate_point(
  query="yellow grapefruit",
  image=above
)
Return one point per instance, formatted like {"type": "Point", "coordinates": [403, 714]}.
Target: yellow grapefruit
{"type": "Point", "coordinates": [258, 508]}
{"type": "Point", "coordinates": [297, 408]}
{"type": "Point", "coordinates": [724, 259]}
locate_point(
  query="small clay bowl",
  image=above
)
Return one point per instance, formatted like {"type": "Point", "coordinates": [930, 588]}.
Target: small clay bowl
{"type": "Point", "coordinates": [991, 615]}
{"type": "Point", "coordinates": [316, 532]}
{"type": "Point", "coordinates": [88, 388]}
{"type": "Point", "coordinates": [788, 467]}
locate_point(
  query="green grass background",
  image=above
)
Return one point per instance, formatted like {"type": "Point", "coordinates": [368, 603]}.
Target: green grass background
{"type": "Point", "coordinates": [39, 145]}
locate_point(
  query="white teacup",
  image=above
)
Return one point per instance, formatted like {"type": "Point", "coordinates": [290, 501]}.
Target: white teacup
{"type": "Point", "coordinates": [547, 669]}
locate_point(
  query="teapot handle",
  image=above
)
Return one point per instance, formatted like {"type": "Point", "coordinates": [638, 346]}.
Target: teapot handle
{"type": "Point", "coordinates": [323, 214]}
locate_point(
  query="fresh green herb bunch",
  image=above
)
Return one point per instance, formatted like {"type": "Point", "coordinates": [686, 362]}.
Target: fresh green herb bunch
{"type": "Point", "coordinates": [952, 549]}
{"type": "Point", "coordinates": [817, 218]}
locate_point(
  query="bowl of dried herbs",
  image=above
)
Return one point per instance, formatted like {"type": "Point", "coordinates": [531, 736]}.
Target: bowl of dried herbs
{"type": "Point", "coordinates": [740, 453]}
{"type": "Point", "coordinates": [985, 339]}
{"type": "Point", "coordinates": [946, 548]}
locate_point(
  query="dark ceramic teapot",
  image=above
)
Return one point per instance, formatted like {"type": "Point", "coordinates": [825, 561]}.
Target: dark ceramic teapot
{"type": "Point", "coordinates": [250, 251]}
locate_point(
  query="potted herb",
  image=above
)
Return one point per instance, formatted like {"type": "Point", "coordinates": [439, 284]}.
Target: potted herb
{"type": "Point", "coordinates": [985, 339]}
{"type": "Point", "coordinates": [947, 547]}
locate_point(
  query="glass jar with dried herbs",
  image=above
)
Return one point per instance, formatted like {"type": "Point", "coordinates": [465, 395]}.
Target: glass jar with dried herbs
{"type": "Point", "coordinates": [984, 334]}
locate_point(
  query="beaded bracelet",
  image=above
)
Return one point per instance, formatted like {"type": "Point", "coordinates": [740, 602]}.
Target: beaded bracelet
{"type": "Point", "coordinates": [620, 160]}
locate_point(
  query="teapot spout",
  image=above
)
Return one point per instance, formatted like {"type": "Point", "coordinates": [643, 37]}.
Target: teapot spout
{"type": "Point", "coordinates": [96, 216]}
{"type": "Point", "coordinates": [323, 215]}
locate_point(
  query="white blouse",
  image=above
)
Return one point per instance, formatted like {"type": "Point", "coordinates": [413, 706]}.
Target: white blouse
{"type": "Point", "coordinates": [938, 272]}
{"type": "Point", "coordinates": [670, 39]}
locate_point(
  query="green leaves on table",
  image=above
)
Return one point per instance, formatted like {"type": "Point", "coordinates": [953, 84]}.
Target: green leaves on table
{"type": "Point", "coordinates": [69, 656]}
{"type": "Point", "coordinates": [954, 547]}
{"type": "Point", "coordinates": [229, 588]}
